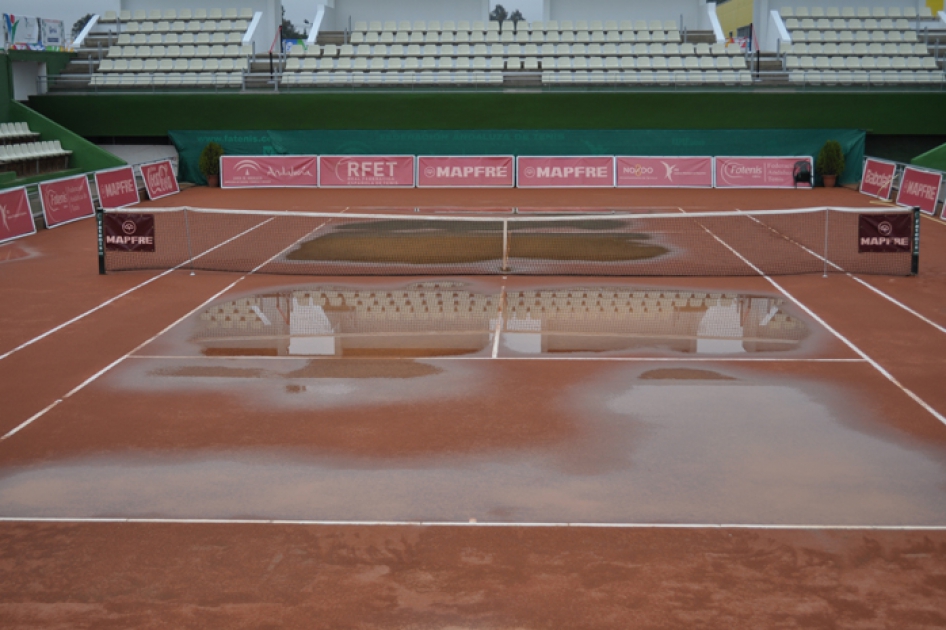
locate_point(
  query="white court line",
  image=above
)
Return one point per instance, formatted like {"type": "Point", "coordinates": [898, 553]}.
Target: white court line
{"type": "Point", "coordinates": [124, 293]}
{"type": "Point", "coordinates": [840, 337]}
{"type": "Point", "coordinates": [889, 298]}
{"type": "Point", "coordinates": [499, 322]}
{"type": "Point", "coordinates": [471, 523]}
{"type": "Point", "coordinates": [154, 357]}
{"type": "Point", "coordinates": [114, 363]}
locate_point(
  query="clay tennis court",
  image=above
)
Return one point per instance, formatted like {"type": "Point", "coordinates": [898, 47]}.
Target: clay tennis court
{"type": "Point", "coordinates": [182, 450]}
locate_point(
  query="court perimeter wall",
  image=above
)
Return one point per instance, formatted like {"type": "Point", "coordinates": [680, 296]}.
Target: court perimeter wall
{"type": "Point", "coordinates": [641, 142]}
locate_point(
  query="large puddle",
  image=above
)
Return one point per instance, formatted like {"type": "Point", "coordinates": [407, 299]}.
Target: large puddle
{"type": "Point", "coordinates": [455, 319]}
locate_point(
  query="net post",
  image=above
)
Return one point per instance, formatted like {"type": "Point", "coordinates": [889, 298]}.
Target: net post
{"type": "Point", "coordinates": [824, 256]}
{"type": "Point", "coordinates": [915, 258]}
{"type": "Point", "coordinates": [187, 236]}
{"type": "Point", "coordinates": [505, 246]}
{"type": "Point", "coordinates": [100, 234]}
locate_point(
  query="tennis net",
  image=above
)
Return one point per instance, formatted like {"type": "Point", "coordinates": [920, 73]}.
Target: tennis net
{"type": "Point", "coordinates": [772, 242]}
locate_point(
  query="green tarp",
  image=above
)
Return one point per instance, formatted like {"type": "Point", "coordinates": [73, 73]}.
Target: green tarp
{"type": "Point", "coordinates": [733, 142]}
{"type": "Point", "coordinates": [935, 158]}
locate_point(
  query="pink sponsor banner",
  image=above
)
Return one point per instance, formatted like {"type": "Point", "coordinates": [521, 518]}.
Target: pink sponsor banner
{"type": "Point", "coordinates": [160, 180]}
{"type": "Point", "coordinates": [117, 187]}
{"type": "Point", "coordinates": [664, 172]}
{"type": "Point", "coordinates": [759, 172]}
{"type": "Point", "coordinates": [16, 219]}
{"type": "Point", "coordinates": [366, 171]}
{"type": "Point", "coordinates": [919, 188]}
{"type": "Point", "coordinates": [877, 178]}
{"type": "Point", "coordinates": [269, 171]}
{"type": "Point", "coordinates": [565, 172]}
{"type": "Point", "coordinates": [66, 200]}
{"type": "Point", "coordinates": [465, 171]}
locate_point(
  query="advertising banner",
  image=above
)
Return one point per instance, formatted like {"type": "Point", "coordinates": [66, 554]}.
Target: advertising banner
{"type": "Point", "coordinates": [16, 220]}
{"type": "Point", "coordinates": [759, 172]}
{"type": "Point", "coordinates": [117, 187]}
{"type": "Point", "coordinates": [366, 171]}
{"type": "Point", "coordinates": [664, 172]}
{"type": "Point", "coordinates": [885, 233]}
{"type": "Point", "coordinates": [877, 179]}
{"type": "Point", "coordinates": [465, 172]}
{"type": "Point", "coordinates": [66, 200]}
{"type": "Point", "coordinates": [22, 32]}
{"type": "Point", "coordinates": [269, 171]}
{"type": "Point", "coordinates": [565, 172]}
{"type": "Point", "coordinates": [53, 34]}
{"type": "Point", "coordinates": [159, 179]}
{"type": "Point", "coordinates": [920, 189]}
{"type": "Point", "coordinates": [128, 232]}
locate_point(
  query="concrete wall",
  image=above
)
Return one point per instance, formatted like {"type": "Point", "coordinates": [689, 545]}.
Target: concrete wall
{"type": "Point", "coordinates": [734, 15]}
{"type": "Point", "coordinates": [26, 76]}
{"type": "Point", "coordinates": [338, 12]}
{"type": "Point", "coordinates": [265, 33]}
{"type": "Point", "coordinates": [692, 12]}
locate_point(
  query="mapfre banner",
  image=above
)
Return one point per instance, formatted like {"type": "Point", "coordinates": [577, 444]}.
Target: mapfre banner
{"type": "Point", "coordinates": [66, 200]}
{"type": "Point", "coordinates": [117, 187]}
{"type": "Point", "coordinates": [565, 172]}
{"type": "Point", "coordinates": [759, 172]}
{"type": "Point", "coordinates": [891, 233]}
{"type": "Point", "coordinates": [16, 220]}
{"type": "Point", "coordinates": [919, 189]}
{"type": "Point", "coordinates": [366, 171]}
{"type": "Point", "coordinates": [128, 232]}
{"type": "Point", "coordinates": [465, 172]}
{"type": "Point", "coordinates": [664, 172]}
{"type": "Point", "coordinates": [159, 179]}
{"type": "Point", "coordinates": [269, 171]}
{"type": "Point", "coordinates": [877, 179]}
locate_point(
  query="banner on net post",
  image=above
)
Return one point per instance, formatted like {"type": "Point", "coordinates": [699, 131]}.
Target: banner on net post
{"type": "Point", "coordinates": [885, 233]}
{"type": "Point", "coordinates": [16, 219]}
{"type": "Point", "coordinates": [465, 171]}
{"type": "Point", "coordinates": [366, 171]}
{"type": "Point", "coordinates": [919, 188]}
{"type": "Point", "coordinates": [760, 172]}
{"type": "Point", "coordinates": [664, 172]}
{"type": "Point", "coordinates": [877, 178]}
{"type": "Point", "coordinates": [565, 172]}
{"type": "Point", "coordinates": [159, 179]}
{"type": "Point", "coordinates": [128, 232]}
{"type": "Point", "coordinates": [117, 187]}
{"type": "Point", "coordinates": [66, 200]}
{"type": "Point", "coordinates": [269, 171]}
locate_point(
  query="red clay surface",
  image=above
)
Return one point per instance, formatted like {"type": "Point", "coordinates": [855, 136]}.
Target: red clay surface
{"type": "Point", "coordinates": [172, 575]}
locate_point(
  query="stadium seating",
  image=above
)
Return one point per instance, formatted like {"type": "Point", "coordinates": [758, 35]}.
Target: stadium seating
{"type": "Point", "coordinates": [477, 53]}
{"type": "Point", "coordinates": [176, 48]}
{"type": "Point", "coordinates": [34, 158]}
{"type": "Point", "coordinates": [857, 46]}
{"type": "Point", "coordinates": [16, 133]}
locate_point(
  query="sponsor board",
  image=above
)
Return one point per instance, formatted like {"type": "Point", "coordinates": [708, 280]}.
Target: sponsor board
{"type": "Point", "coordinates": [159, 179]}
{"type": "Point", "coordinates": [664, 172]}
{"type": "Point", "coordinates": [759, 172]}
{"type": "Point", "coordinates": [366, 171]}
{"type": "Point", "coordinates": [128, 232]}
{"type": "Point", "coordinates": [269, 171]}
{"type": "Point", "coordinates": [465, 171]}
{"type": "Point", "coordinates": [117, 187]}
{"type": "Point", "coordinates": [565, 172]}
{"type": "Point", "coordinates": [885, 233]}
{"type": "Point", "coordinates": [877, 178]}
{"type": "Point", "coordinates": [920, 189]}
{"type": "Point", "coordinates": [16, 219]}
{"type": "Point", "coordinates": [66, 200]}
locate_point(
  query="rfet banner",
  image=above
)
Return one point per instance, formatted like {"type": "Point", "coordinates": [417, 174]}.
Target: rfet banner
{"type": "Point", "coordinates": [16, 220]}
{"type": "Point", "coordinates": [919, 189]}
{"type": "Point", "coordinates": [128, 232]}
{"type": "Point", "coordinates": [877, 179]}
{"type": "Point", "coordinates": [664, 172]}
{"type": "Point", "coordinates": [66, 200]}
{"type": "Point", "coordinates": [117, 187]}
{"type": "Point", "coordinates": [565, 172]}
{"type": "Point", "coordinates": [885, 233]}
{"type": "Point", "coordinates": [270, 171]}
{"type": "Point", "coordinates": [465, 172]}
{"type": "Point", "coordinates": [366, 171]}
{"type": "Point", "coordinates": [159, 179]}
{"type": "Point", "coordinates": [759, 172]}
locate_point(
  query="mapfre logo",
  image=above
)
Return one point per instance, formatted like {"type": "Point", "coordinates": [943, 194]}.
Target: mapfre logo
{"type": "Point", "coordinates": [885, 228]}
{"type": "Point", "coordinates": [129, 227]}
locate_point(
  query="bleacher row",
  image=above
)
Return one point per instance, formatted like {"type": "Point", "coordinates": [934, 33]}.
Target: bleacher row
{"type": "Point", "coordinates": [15, 133]}
{"type": "Point", "coordinates": [34, 158]}
{"type": "Point", "coordinates": [172, 14]}
{"type": "Point", "coordinates": [173, 39]}
{"type": "Point", "coordinates": [859, 12]}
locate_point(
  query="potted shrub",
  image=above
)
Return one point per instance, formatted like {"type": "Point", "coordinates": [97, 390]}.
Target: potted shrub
{"type": "Point", "coordinates": [209, 164]}
{"type": "Point", "coordinates": [830, 163]}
